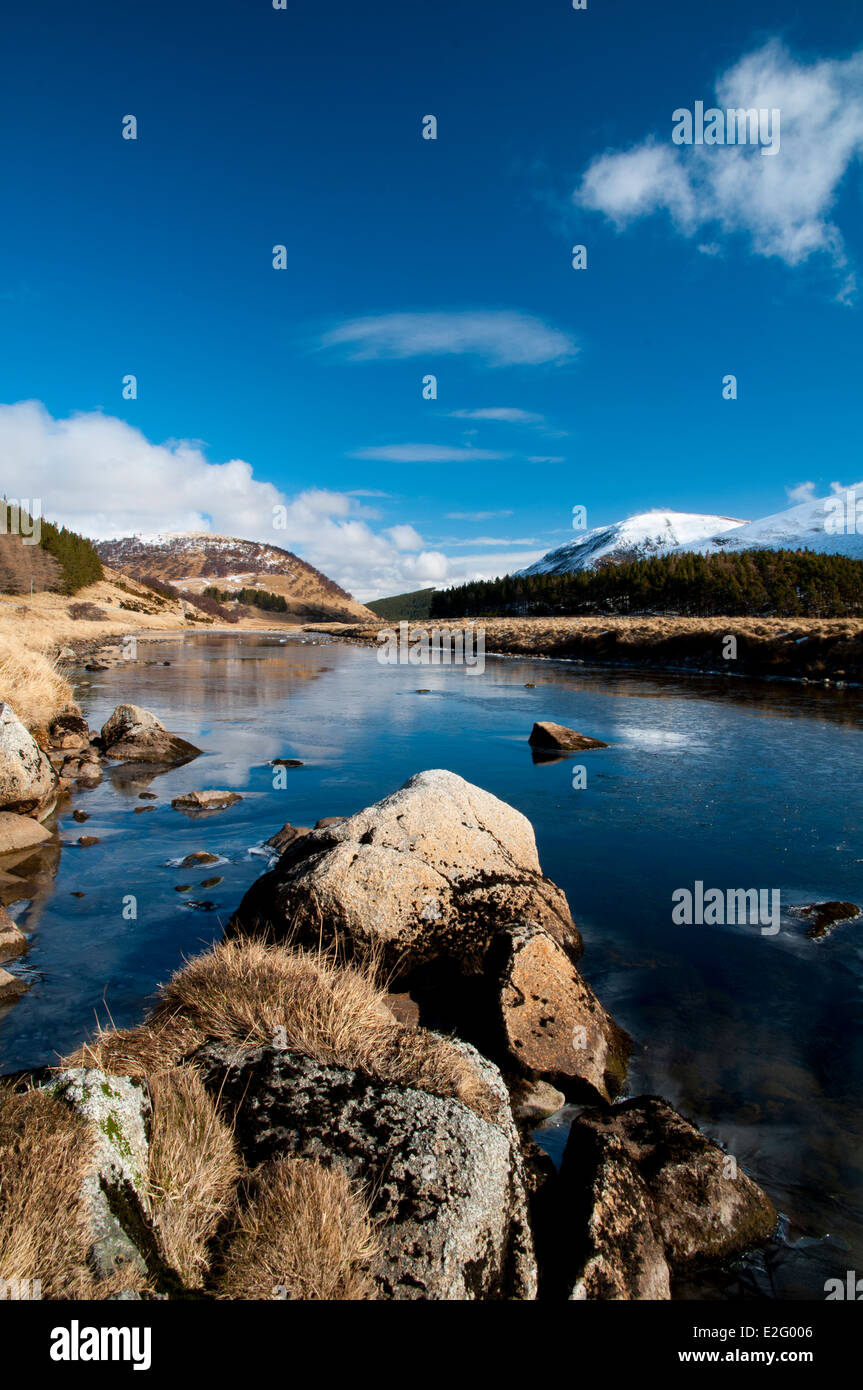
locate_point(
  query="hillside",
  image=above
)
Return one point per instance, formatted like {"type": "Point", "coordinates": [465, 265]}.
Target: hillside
{"type": "Point", "coordinates": [192, 560]}
{"type": "Point", "coordinates": [403, 607]}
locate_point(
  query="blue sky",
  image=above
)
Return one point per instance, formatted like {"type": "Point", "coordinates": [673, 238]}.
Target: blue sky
{"type": "Point", "coordinates": [302, 387]}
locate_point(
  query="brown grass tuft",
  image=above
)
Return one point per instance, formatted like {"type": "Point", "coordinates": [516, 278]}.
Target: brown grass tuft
{"type": "Point", "coordinates": [45, 1151]}
{"type": "Point", "coordinates": [304, 1232]}
{"type": "Point", "coordinates": [194, 1169]}
{"type": "Point", "coordinates": [252, 994]}
{"type": "Point", "coordinates": [31, 684]}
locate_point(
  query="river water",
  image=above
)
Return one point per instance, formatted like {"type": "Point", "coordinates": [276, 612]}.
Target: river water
{"type": "Point", "coordinates": [736, 784]}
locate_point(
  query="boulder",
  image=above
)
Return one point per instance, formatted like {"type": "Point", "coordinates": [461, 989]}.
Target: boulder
{"type": "Point", "coordinates": [28, 782]}
{"type": "Point", "coordinates": [534, 1101]}
{"type": "Point", "coordinates": [556, 736]}
{"type": "Point", "coordinates": [446, 1187]}
{"type": "Point", "coordinates": [285, 837]}
{"type": "Point", "coordinates": [12, 939]}
{"type": "Point", "coordinates": [638, 1176]}
{"type": "Point", "coordinates": [200, 856]}
{"type": "Point", "coordinates": [10, 986]}
{"type": "Point", "coordinates": [433, 872]}
{"type": "Point", "coordinates": [133, 734]}
{"type": "Point", "coordinates": [69, 731]}
{"type": "Point", "coordinates": [205, 801]}
{"type": "Point", "coordinates": [554, 1026]}
{"type": "Point", "coordinates": [117, 1112]}
{"type": "Point", "coordinates": [20, 833]}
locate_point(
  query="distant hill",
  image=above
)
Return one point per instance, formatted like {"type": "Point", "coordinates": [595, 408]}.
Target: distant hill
{"type": "Point", "coordinates": [403, 607]}
{"type": "Point", "coordinates": [43, 556]}
{"type": "Point", "coordinates": [638, 537]}
{"type": "Point", "coordinates": [193, 560]}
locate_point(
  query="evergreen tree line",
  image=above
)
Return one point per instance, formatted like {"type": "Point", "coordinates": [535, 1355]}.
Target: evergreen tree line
{"type": "Point", "coordinates": [77, 557]}
{"type": "Point", "coordinates": [257, 598]}
{"type": "Point", "coordinates": [749, 583]}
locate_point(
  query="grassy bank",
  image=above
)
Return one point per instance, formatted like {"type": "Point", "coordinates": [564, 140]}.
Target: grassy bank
{"type": "Point", "coordinates": [815, 649]}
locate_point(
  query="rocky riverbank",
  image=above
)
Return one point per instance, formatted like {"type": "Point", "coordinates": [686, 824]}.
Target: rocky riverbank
{"type": "Point", "coordinates": [824, 650]}
{"type": "Point", "coordinates": [336, 1101]}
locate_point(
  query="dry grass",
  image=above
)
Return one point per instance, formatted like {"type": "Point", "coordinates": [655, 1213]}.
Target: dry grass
{"type": "Point", "coordinates": [251, 994]}
{"type": "Point", "coordinates": [31, 683]}
{"type": "Point", "coordinates": [45, 1150]}
{"type": "Point", "coordinates": [304, 1232]}
{"type": "Point", "coordinates": [193, 1172]}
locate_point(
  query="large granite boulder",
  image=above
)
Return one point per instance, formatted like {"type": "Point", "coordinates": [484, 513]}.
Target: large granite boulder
{"type": "Point", "coordinates": [445, 1185]}
{"type": "Point", "coordinates": [28, 782]}
{"type": "Point", "coordinates": [643, 1192]}
{"type": "Point", "coordinates": [432, 872]}
{"type": "Point", "coordinates": [132, 734]}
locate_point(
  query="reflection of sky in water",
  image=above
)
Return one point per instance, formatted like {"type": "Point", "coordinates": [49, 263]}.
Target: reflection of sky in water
{"type": "Point", "coordinates": [736, 784]}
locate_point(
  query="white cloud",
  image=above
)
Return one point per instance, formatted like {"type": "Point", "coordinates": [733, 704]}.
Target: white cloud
{"type": "Point", "coordinates": [103, 477]}
{"type": "Point", "coordinates": [803, 492]}
{"type": "Point", "coordinates": [509, 415]}
{"type": "Point", "coordinates": [783, 203]}
{"type": "Point", "coordinates": [423, 453]}
{"type": "Point", "coordinates": [501, 337]}
{"type": "Point", "coordinates": [547, 458]}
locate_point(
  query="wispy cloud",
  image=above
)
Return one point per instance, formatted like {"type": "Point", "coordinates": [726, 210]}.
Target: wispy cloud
{"type": "Point", "coordinates": [500, 337]}
{"type": "Point", "coordinates": [423, 453]}
{"type": "Point", "coordinates": [476, 516]}
{"type": "Point", "coordinates": [546, 458]}
{"type": "Point", "coordinates": [508, 415]}
{"type": "Point", "coordinates": [783, 204]}
{"type": "Point", "coordinates": [803, 492]}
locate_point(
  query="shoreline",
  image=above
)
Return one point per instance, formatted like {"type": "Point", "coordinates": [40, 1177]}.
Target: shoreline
{"type": "Point", "coordinates": [826, 651]}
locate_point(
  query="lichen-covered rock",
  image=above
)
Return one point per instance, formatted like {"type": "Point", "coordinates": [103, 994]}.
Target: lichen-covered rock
{"type": "Point", "coordinates": [69, 731]}
{"type": "Point", "coordinates": [652, 1177]}
{"type": "Point", "coordinates": [116, 1110]}
{"type": "Point", "coordinates": [28, 782]}
{"type": "Point", "coordinates": [11, 986]}
{"type": "Point", "coordinates": [133, 734]}
{"type": "Point", "coordinates": [554, 1026]}
{"type": "Point", "coordinates": [446, 1187]}
{"type": "Point", "coordinates": [433, 872]}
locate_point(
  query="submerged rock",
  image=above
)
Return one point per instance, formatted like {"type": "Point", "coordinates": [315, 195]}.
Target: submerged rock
{"type": "Point", "coordinates": [133, 734]}
{"type": "Point", "coordinates": [200, 856]}
{"type": "Point", "coordinates": [193, 802]}
{"type": "Point", "coordinates": [446, 1187]}
{"type": "Point", "coordinates": [28, 782]}
{"type": "Point", "coordinates": [11, 987]}
{"type": "Point", "coordinates": [556, 736]}
{"type": "Point", "coordinates": [825, 916]}
{"type": "Point", "coordinates": [12, 939]}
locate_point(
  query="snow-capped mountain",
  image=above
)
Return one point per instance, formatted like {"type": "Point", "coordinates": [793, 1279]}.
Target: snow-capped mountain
{"type": "Point", "coordinates": [826, 524]}
{"type": "Point", "coordinates": [636, 538]}
{"type": "Point", "coordinates": [192, 560]}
